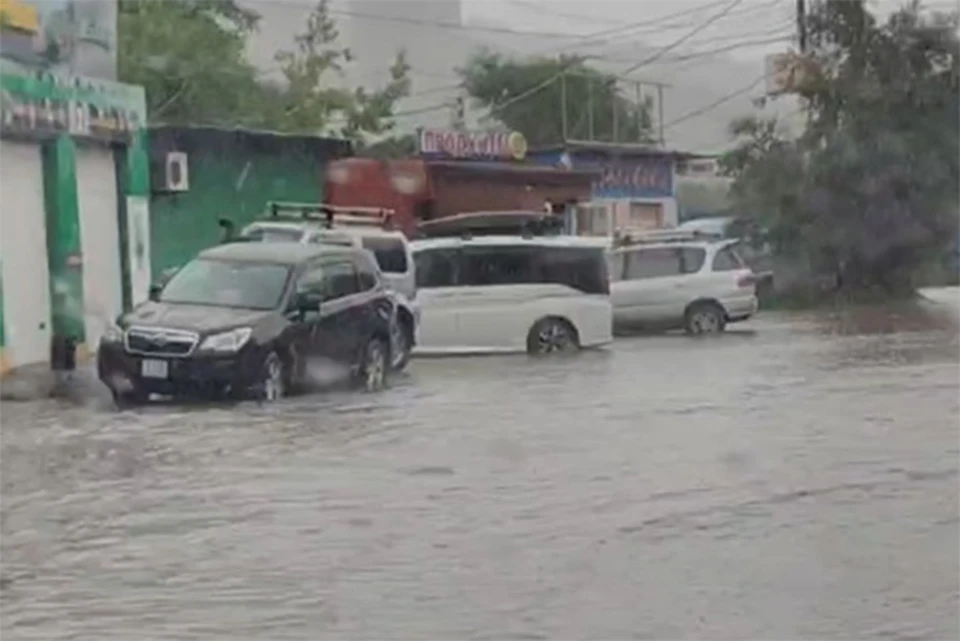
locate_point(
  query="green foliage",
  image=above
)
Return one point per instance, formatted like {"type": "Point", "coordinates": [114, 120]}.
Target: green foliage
{"type": "Point", "coordinates": [869, 192]}
{"type": "Point", "coordinates": [530, 96]}
{"type": "Point", "coordinates": [189, 55]}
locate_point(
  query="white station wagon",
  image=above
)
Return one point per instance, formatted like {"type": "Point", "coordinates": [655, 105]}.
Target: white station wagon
{"type": "Point", "coordinates": [680, 280]}
{"type": "Point", "coordinates": [489, 294]}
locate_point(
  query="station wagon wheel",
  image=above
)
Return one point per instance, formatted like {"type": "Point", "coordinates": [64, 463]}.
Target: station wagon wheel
{"type": "Point", "coordinates": [373, 370]}
{"type": "Point", "coordinates": [705, 318]}
{"type": "Point", "coordinates": [272, 385]}
{"type": "Point", "coordinates": [552, 336]}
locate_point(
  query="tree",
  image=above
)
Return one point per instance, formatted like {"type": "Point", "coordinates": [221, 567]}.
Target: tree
{"type": "Point", "coordinates": [868, 193]}
{"type": "Point", "coordinates": [310, 103]}
{"type": "Point", "coordinates": [530, 96]}
{"type": "Point", "coordinates": [189, 57]}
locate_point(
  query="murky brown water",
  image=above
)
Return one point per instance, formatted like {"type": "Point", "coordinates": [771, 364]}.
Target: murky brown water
{"type": "Point", "coordinates": [796, 478]}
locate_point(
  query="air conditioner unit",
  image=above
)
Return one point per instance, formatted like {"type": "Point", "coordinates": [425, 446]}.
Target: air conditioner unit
{"type": "Point", "coordinates": [176, 176]}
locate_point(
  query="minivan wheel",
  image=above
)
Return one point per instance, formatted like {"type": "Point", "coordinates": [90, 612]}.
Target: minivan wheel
{"type": "Point", "coordinates": [373, 368]}
{"type": "Point", "coordinates": [552, 336]}
{"type": "Point", "coordinates": [402, 339]}
{"type": "Point", "coordinates": [272, 384]}
{"type": "Point", "coordinates": [705, 318]}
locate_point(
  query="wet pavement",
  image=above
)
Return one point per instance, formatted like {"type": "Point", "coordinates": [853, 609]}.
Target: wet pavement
{"type": "Point", "coordinates": [796, 478]}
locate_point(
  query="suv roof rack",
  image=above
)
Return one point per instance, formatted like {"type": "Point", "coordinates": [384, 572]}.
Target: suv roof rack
{"type": "Point", "coordinates": [332, 214]}
{"type": "Point", "coordinates": [661, 236]}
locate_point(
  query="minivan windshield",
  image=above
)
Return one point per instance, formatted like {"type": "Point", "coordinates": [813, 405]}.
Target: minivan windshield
{"type": "Point", "coordinates": [227, 283]}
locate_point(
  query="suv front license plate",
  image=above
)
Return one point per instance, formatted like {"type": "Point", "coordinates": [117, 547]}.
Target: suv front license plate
{"type": "Point", "coordinates": [152, 368]}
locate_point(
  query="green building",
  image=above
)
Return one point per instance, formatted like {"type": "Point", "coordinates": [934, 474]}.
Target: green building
{"type": "Point", "coordinates": [74, 202]}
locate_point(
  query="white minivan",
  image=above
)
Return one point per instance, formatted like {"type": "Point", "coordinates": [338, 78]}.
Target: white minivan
{"type": "Point", "coordinates": [492, 294]}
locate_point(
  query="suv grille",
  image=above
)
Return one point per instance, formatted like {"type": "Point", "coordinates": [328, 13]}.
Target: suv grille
{"type": "Point", "coordinates": [160, 342]}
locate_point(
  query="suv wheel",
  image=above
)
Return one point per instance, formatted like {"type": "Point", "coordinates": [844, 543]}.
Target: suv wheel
{"type": "Point", "coordinates": [128, 399]}
{"type": "Point", "coordinates": [705, 318]}
{"type": "Point", "coordinates": [373, 367]}
{"type": "Point", "coordinates": [402, 341]}
{"type": "Point", "coordinates": [272, 384]}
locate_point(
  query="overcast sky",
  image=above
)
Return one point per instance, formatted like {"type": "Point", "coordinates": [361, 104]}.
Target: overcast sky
{"type": "Point", "coordinates": [750, 19]}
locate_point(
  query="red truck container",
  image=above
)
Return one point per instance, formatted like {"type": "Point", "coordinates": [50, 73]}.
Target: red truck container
{"type": "Point", "coordinates": [418, 190]}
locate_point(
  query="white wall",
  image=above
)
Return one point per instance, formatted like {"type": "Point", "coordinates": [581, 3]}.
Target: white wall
{"type": "Point", "coordinates": [99, 238]}
{"type": "Point", "coordinates": [23, 253]}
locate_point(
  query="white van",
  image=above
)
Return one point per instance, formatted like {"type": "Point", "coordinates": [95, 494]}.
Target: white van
{"type": "Point", "coordinates": [491, 294]}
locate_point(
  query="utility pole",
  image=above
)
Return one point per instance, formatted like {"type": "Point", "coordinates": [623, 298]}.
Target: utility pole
{"type": "Point", "coordinates": [563, 106]}
{"type": "Point", "coordinates": [639, 123]}
{"type": "Point", "coordinates": [616, 112]}
{"type": "Point", "coordinates": [802, 25]}
{"type": "Point", "coordinates": [590, 108]}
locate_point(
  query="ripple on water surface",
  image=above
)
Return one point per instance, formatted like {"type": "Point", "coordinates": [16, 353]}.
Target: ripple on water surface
{"type": "Point", "coordinates": [796, 478]}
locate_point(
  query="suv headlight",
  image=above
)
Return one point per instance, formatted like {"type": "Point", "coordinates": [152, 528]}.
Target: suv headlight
{"type": "Point", "coordinates": [230, 341]}
{"type": "Point", "coordinates": [112, 334]}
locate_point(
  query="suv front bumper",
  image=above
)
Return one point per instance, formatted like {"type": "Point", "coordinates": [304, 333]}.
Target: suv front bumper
{"type": "Point", "coordinates": [198, 374]}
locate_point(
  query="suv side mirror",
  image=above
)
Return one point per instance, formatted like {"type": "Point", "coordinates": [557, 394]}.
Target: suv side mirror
{"type": "Point", "coordinates": [154, 292]}
{"type": "Point", "coordinates": [309, 301]}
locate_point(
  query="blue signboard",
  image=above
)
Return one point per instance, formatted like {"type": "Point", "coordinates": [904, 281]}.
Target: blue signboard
{"type": "Point", "coordinates": [621, 175]}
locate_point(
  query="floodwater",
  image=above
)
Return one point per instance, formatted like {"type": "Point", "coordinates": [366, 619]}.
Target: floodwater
{"type": "Point", "coordinates": [794, 479]}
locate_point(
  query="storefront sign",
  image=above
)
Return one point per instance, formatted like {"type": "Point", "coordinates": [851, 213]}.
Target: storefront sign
{"type": "Point", "coordinates": [621, 175]}
{"type": "Point", "coordinates": [492, 145]}
{"type": "Point", "coordinates": [634, 177]}
{"type": "Point", "coordinates": [40, 104]}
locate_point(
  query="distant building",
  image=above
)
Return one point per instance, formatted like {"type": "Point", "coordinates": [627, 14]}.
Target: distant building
{"type": "Point", "coordinates": [635, 190]}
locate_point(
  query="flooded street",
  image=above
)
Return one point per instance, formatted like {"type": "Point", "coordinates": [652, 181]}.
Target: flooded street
{"type": "Point", "coordinates": [795, 478]}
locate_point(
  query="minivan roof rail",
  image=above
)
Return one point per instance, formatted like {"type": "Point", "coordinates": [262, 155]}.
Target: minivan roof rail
{"type": "Point", "coordinates": [332, 214]}
{"type": "Point", "coordinates": [660, 236]}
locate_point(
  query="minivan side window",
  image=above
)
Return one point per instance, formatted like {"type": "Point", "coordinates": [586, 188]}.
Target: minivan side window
{"type": "Point", "coordinates": [436, 267]}
{"type": "Point", "coordinates": [692, 259]}
{"type": "Point", "coordinates": [727, 260]}
{"type": "Point", "coordinates": [504, 265]}
{"type": "Point", "coordinates": [653, 262]}
{"type": "Point", "coordinates": [581, 268]}
{"type": "Point", "coordinates": [657, 262]}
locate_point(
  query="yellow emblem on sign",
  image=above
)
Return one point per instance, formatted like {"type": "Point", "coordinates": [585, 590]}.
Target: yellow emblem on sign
{"type": "Point", "coordinates": [517, 145]}
{"type": "Point", "coordinates": [19, 15]}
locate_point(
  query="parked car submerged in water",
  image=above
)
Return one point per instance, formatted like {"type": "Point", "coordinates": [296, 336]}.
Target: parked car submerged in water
{"type": "Point", "coordinates": [490, 294]}
{"type": "Point", "coordinates": [367, 229]}
{"type": "Point", "coordinates": [679, 280]}
{"type": "Point", "coordinates": [245, 319]}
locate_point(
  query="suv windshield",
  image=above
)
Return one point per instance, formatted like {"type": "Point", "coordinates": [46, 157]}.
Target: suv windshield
{"type": "Point", "coordinates": [226, 283]}
{"type": "Point", "coordinates": [264, 234]}
{"type": "Point", "coordinates": [391, 253]}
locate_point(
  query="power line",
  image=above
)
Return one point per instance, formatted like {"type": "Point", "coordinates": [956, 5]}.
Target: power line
{"type": "Point", "coordinates": [676, 43]}
{"type": "Point", "coordinates": [716, 103]}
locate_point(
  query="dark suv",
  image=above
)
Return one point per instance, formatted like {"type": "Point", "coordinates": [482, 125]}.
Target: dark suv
{"type": "Point", "coordinates": [246, 319]}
